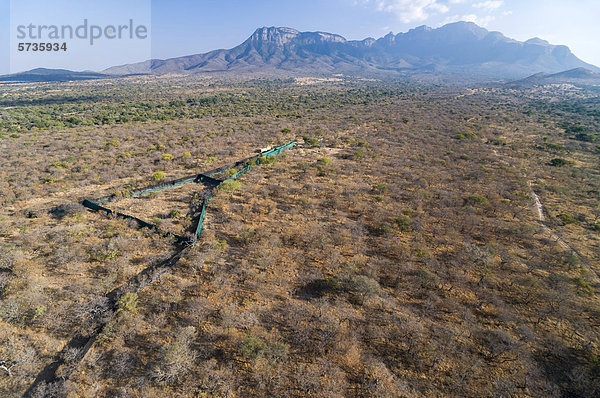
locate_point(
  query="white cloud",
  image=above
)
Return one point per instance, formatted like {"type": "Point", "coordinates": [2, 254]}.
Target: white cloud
{"type": "Point", "coordinates": [410, 10]}
{"type": "Point", "coordinates": [420, 10]}
{"type": "Point", "coordinates": [489, 5]}
{"type": "Point", "coordinates": [481, 21]}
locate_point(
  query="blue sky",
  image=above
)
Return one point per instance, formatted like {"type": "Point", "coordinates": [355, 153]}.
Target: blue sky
{"type": "Point", "coordinates": [183, 27]}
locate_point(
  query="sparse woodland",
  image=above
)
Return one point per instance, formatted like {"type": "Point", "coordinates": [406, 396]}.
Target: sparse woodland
{"type": "Point", "coordinates": [396, 252]}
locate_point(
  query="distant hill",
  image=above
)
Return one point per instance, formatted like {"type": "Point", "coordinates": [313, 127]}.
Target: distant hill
{"type": "Point", "coordinates": [458, 48]}
{"type": "Point", "coordinates": [51, 75]}
{"type": "Point", "coordinates": [577, 76]}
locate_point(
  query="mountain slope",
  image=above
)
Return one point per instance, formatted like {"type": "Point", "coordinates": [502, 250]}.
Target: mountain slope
{"type": "Point", "coordinates": [461, 47]}
{"type": "Point", "coordinates": [51, 75]}
{"type": "Point", "coordinates": [577, 76]}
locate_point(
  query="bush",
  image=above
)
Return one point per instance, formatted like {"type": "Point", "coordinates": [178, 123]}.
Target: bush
{"type": "Point", "coordinates": [497, 142]}
{"type": "Point", "coordinates": [403, 223]}
{"type": "Point", "coordinates": [558, 162]}
{"type": "Point", "coordinates": [566, 219]}
{"type": "Point", "coordinates": [385, 228]}
{"type": "Point", "coordinates": [553, 146]}
{"type": "Point", "coordinates": [324, 161]}
{"type": "Point", "coordinates": [358, 155]}
{"type": "Point", "coordinates": [476, 200]}
{"type": "Point", "coordinates": [380, 188]}
{"type": "Point", "coordinates": [465, 136]}
{"type": "Point", "coordinates": [253, 348]}
{"type": "Point", "coordinates": [587, 137]}
{"type": "Point", "coordinates": [311, 141]}
{"type": "Point", "coordinates": [128, 302]}
{"type": "Point", "coordinates": [363, 286]}
{"type": "Point", "coordinates": [158, 176]}
{"type": "Point", "coordinates": [230, 186]}
{"type": "Point", "coordinates": [584, 286]}
{"type": "Point", "coordinates": [167, 156]}
{"type": "Point", "coordinates": [266, 160]}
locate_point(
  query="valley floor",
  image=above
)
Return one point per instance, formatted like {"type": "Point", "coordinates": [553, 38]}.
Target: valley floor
{"type": "Point", "coordinates": [399, 250]}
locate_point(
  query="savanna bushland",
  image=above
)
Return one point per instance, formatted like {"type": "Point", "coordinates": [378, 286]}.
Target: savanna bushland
{"type": "Point", "coordinates": [397, 251]}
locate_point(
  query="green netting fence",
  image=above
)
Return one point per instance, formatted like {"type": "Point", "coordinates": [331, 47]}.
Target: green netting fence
{"type": "Point", "coordinates": [207, 178]}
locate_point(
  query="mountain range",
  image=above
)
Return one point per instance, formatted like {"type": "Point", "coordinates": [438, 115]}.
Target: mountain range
{"type": "Point", "coordinates": [51, 75]}
{"type": "Point", "coordinates": [461, 49]}
{"type": "Point", "coordinates": [578, 76]}
{"type": "Point", "coordinates": [458, 48]}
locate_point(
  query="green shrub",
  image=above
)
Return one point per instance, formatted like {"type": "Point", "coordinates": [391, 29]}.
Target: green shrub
{"type": "Point", "coordinates": [358, 155]}
{"type": "Point", "coordinates": [167, 156]}
{"type": "Point", "coordinates": [221, 245]}
{"type": "Point", "coordinates": [266, 160]}
{"type": "Point", "coordinates": [380, 188]}
{"type": "Point", "coordinates": [252, 348]}
{"type": "Point", "coordinates": [286, 130]}
{"type": "Point", "coordinates": [363, 286]}
{"type": "Point", "coordinates": [566, 219]}
{"type": "Point", "coordinates": [584, 286]}
{"type": "Point", "coordinates": [158, 176]}
{"type": "Point", "coordinates": [385, 228]}
{"type": "Point", "coordinates": [553, 146]}
{"type": "Point", "coordinates": [103, 255]}
{"type": "Point", "coordinates": [587, 137]}
{"type": "Point", "coordinates": [465, 136]}
{"type": "Point", "coordinates": [230, 186]}
{"type": "Point", "coordinates": [210, 160]}
{"type": "Point", "coordinates": [476, 200]}
{"type": "Point", "coordinates": [426, 278]}
{"type": "Point", "coordinates": [123, 193]}
{"type": "Point", "coordinates": [558, 162]}
{"type": "Point", "coordinates": [403, 223]}
{"type": "Point", "coordinates": [128, 302]}
{"type": "Point", "coordinates": [324, 161]}
{"type": "Point", "coordinates": [311, 141]}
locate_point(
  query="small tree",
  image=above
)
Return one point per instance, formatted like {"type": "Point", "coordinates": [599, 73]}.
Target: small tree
{"type": "Point", "coordinates": [364, 286]}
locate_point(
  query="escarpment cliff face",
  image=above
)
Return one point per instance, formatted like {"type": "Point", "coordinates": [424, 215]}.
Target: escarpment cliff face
{"type": "Point", "coordinates": [457, 48]}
